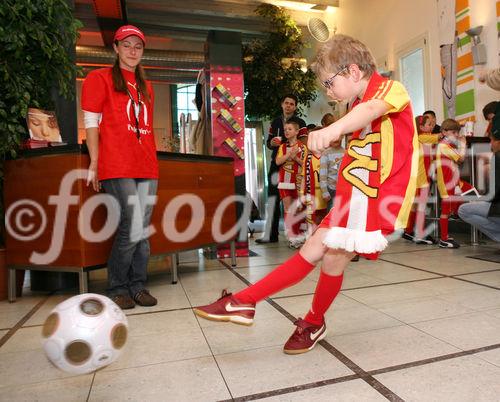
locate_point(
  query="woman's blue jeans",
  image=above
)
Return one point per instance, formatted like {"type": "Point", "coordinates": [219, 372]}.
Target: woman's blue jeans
{"type": "Point", "coordinates": [476, 214]}
{"type": "Point", "coordinates": [127, 263]}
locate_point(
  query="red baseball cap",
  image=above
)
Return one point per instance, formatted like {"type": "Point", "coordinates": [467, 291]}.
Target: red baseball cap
{"type": "Point", "coordinates": [129, 30]}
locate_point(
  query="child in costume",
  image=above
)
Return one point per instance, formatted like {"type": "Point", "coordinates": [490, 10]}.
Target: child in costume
{"type": "Point", "coordinates": [290, 158]}
{"type": "Point", "coordinates": [450, 153]}
{"type": "Point", "coordinates": [375, 190]}
{"type": "Point", "coordinates": [310, 192]}
{"type": "Point", "coordinates": [416, 221]}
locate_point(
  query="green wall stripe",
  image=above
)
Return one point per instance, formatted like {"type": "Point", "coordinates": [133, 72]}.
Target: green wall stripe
{"type": "Point", "coordinates": [464, 41]}
{"type": "Point", "coordinates": [465, 102]}
{"type": "Point", "coordinates": [462, 13]}
{"type": "Point", "coordinates": [464, 73]}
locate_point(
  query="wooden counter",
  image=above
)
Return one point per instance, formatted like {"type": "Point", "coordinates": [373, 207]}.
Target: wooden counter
{"type": "Point", "coordinates": [38, 174]}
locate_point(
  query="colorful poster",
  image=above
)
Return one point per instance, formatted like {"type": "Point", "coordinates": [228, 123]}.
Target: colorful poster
{"type": "Point", "coordinates": [228, 115]}
{"type": "Point", "coordinates": [42, 125]}
{"type": "Point", "coordinates": [228, 133]}
{"type": "Point", "coordinates": [465, 107]}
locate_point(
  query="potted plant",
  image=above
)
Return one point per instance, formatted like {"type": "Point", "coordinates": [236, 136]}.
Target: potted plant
{"type": "Point", "coordinates": [36, 38]}
{"type": "Point", "coordinates": [272, 66]}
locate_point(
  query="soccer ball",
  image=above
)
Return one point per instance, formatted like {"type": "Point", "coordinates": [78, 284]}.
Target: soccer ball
{"type": "Point", "coordinates": [84, 333]}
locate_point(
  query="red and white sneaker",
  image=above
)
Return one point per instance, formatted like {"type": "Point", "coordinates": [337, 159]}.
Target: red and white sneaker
{"type": "Point", "coordinates": [227, 308]}
{"type": "Point", "coordinates": [305, 337]}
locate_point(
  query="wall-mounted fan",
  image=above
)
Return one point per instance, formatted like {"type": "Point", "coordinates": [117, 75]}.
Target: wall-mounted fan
{"type": "Point", "coordinates": [318, 29]}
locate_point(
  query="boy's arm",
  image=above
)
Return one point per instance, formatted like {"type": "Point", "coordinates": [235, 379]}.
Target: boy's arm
{"type": "Point", "coordinates": [281, 158]}
{"type": "Point", "coordinates": [358, 118]}
{"type": "Point", "coordinates": [428, 138]}
{"type": "Point", "coordinates": [462, 148]}
{"type": "Point", "coordinates": [92, 141]}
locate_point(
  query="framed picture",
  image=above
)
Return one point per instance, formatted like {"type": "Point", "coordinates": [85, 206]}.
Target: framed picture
{"type": "Point", "coordinates": [42, 125]}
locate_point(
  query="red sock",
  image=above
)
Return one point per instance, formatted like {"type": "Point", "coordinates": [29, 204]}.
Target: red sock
{"type": "Point", "coordinates": [287, 274]}
{"type": "Point", "coordinates": [411, 222]}
{"type": "Point", "coordinates": [327, 289]}
{"type": "Point", "coordinates": [443, 225]}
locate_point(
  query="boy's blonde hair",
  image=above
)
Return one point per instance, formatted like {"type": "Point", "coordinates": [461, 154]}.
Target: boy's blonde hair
{"type": "Point", "coordinates": [450, 125]}
{"type": "Point", "coordinates": [341, 51]}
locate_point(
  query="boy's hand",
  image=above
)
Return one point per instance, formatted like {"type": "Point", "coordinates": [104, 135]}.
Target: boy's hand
{"type": "Point", "coordinates": [320, 140]}
{"type": "Point", "coordinates": [294, 151]}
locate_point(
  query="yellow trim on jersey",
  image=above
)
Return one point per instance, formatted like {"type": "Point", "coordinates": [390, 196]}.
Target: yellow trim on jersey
{"type": "Point", "coordinates": [428, 138]}
{"type": "Point", "coordinates": [395, 94]}
{"type": "Point", "coordinates": [449, 152]}
{"type": "Point", "coordinates": [387, 148]}
{"type": "Point", "coordinates": [422, 177]}
{"type": "Point", "coordinates": [453, 156]}
{"type": "Point", "coordinates": [441, 185]}
{"type": "Point", "coordinates": [404, 211]}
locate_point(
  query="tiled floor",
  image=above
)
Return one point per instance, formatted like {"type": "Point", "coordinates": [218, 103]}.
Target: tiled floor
{"type": "Point", "coordinates": [419, 324]}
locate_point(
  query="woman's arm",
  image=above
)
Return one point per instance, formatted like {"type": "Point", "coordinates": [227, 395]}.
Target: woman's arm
{"type": "Point", "coordinates": [93, 147]}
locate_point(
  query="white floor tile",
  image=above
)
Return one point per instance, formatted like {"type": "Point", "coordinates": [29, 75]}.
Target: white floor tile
{"type": "Point", "coordinates": [462, 379]}
{"type": "Point", "coordinates": [186, 380]}
{"type": "Point", "coordinates": [466, 331]}
{"type": "Point", "coordinates": [389, 346]}
{"type": "Point", "coordinates": [423, 309]}
{"type": "Point", "coordinates": [74, 389]}
{"type": "Point", "coordinates": [350, 391]}
{"type": "Point", "coordinates": [266, 363]}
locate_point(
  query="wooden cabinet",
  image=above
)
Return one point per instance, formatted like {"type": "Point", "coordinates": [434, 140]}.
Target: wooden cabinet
{"type": "Point", "coordinates": [34, 181]}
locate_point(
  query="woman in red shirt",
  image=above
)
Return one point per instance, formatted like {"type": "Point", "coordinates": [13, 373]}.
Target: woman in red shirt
{"type": "Point", "coordinates": [118, 104]}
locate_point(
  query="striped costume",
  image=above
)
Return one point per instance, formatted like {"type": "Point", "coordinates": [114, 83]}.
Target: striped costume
{"type": "Point", "coordinates": [426, 157]}
{"type": "Point", "coordinates": [448, 172]}
{"type": "Point", "coordinates": [289, 176]}
{"type": "Point", "coordinates": [378, 174]}
{"type": "Point", "coordinates": [311, 189]}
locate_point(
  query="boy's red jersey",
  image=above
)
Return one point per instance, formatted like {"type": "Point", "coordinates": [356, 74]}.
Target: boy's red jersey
{"type": "Point", "coordinates": [377, 179]}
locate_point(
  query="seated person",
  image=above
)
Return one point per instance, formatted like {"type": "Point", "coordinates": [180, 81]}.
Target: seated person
{"type": "Point", "coordinates": [485, 215]}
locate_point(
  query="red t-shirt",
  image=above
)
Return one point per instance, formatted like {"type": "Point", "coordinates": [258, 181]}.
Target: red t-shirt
{"type": "Point", "coordinates": [121, 154]}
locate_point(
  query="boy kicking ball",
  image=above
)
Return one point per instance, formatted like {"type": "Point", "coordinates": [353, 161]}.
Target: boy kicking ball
{"type": "Point", "coordinates": [375, 189]}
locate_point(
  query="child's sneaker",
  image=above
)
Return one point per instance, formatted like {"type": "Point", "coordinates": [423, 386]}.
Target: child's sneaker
{"type": "Point", "coordinates": [304, 338]}
{"type": "Point", "coordinates": [227, 308]}
{"type": "Point", "coordinates": [426, 240]}
{"type": "Point", "coordinates": [449, 243]}
{"type": "Point", "coordinates": [295, 243]}
{"type": "Point", "coordinates": [408, 236]}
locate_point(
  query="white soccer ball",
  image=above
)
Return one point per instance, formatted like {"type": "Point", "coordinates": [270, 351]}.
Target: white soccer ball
{"type": "Point", "coordinates": [84, 333]}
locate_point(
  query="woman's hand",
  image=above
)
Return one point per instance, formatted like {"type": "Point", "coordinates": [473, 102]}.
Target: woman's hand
{"type": "Point", "coordinates": [92, 176]}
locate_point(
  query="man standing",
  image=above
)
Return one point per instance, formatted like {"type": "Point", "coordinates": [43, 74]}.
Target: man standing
{"type": "Point", "coordinates": [275, 138]}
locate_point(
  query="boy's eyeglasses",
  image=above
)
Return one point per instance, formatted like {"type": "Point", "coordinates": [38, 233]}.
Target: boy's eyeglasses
{"type": "Point", "coordinates": [328, 84]}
